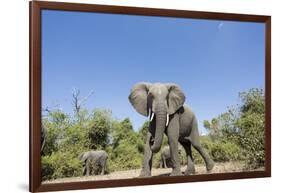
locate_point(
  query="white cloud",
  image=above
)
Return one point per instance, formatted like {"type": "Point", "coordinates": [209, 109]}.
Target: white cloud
{"type": "Point", "coordinates": [220, 25]}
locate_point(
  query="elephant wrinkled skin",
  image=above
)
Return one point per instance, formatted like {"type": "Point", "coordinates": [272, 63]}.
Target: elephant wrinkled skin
{"type": "Point", "coordinates": [163, 104]}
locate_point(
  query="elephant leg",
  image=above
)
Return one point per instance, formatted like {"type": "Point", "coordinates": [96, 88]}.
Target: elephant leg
{"type": "Point", "coordinates": [173, 136]}
{"type": "Point", "coordinates": [84, 170]}
{"type": "Point", "coordinates": [195, 141]}
{"type": "Point", "coordinates": [147, 161]}
{"type": "Point", "coordinates": [87, 168]}
{"type": "Point", "coordinates": [164, 163]}
{"type": "Point", "coordinates": [190, 165]}
{"type": "Point", "coordinates": [209, 162]}
{"type": "Point", "coordinates": [95, 169]}
{"type": "Point", "coordinates": [103, 167]}
{"type": "Point", "coordinates": [102, 170]}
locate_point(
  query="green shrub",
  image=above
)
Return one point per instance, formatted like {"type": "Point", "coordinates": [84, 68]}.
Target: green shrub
{"type": "Point", "coordinates": [125, 156]}
{"type": "Point", "coordinates": [219, 151]}
{"type": "Point", "coordinates": [225, 151]}
{"type": "Point", "coordinates": [244, 126]}
{"type": "Point", "coordinates": [126, 150]}
{"type": "Point", "coordinates": [251, 139]}
{"type": "Point", "coordinates": [60, 165]}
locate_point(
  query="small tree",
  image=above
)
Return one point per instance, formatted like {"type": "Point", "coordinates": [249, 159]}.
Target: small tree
{"type": "Point", "coordinates": [244, 126]}
{"type": "Point", "coordinates": [99, 130]}
{"type": "Point", "coordinates": [213, 127]}
{"type": "Point", "coordinates": [78, 103]}
{"type": "Point", "coordinates": [252, 125]}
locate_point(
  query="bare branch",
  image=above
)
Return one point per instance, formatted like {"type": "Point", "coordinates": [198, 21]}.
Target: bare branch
{"type": "Point", "coordinates": [86, 98]}
{"type": "Point", "coordinates": [46, 109]}
{"type": "Point", "coordinates": [76, 103]}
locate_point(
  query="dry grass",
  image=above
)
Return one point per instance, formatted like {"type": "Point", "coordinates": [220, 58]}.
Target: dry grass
{"type": "Point", "coordinates": [128, 174]}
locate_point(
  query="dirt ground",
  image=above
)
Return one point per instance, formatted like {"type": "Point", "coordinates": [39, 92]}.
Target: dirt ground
{"type": "Point", "coordinates": [200, 169]}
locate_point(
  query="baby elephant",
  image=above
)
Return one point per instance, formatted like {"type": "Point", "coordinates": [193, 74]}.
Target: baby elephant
{"type": "Point", "coordinates": [166, 157]}
{"type": "Point", "coordinates": [94, 161]}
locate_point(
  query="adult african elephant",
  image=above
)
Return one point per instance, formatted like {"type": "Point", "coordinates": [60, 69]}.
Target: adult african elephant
{"type": "Point", "coordinates": [163, 105]}
{"type": "Point", "coordinates": [165, 161]}
{"type": "Point", "coordinates": [94, 161]}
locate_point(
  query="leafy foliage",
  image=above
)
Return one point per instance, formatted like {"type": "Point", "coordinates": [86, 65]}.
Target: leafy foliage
{"type": "Point", "coordinates": [59, 165]}
{"type": "Point", "coordinates": [251, 127]}
{"type": "Point", "coordinates": [67, 138]}
{"type": "Point", "coordinates": [243, 126]}
{"type": "Point", "coordinates": [98, 132]}
{"type": "Point", "coordinates": [127, 146]}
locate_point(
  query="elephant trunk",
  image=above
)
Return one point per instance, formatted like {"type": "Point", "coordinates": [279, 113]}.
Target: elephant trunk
{"type": "Point", "coordinates": [161, 116]}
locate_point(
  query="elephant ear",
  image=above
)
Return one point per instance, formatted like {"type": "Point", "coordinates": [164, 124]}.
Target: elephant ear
{"type": "Point", "coordinates": [81, 157]}
{"type": "Point", "coordinates": [176, 98]}
{"type": "Point", "coordinates": [138, 97]}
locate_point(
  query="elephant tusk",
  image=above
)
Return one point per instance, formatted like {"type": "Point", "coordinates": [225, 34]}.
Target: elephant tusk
{"type": "Point", "coordinates": [149, 113]}
{"type": "Point", "coordinates": [167, 122]}
{"type": "Point", "coordinates": [152, 116]}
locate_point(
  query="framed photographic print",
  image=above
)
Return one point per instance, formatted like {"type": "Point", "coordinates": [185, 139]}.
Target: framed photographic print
{"type": "Point", "coordinates": [126, 96]}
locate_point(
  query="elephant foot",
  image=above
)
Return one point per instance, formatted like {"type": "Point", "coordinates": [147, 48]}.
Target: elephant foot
{"type": "Point", "coordinates": [145, 174]}
{"type": "Point", "coordinates": [210, 165]}
{"type": "Point", "coordinates": [176, 172]}
{"type": "Point", "coordinates": [189, 170]}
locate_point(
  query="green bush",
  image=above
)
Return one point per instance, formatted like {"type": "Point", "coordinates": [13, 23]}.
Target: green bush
{"type": "Point", "coordinates": [99, 129]}
{"type": "Point", "coordinates": [242, 125]}
{"type": "Point", "coordinates": [127, 147]}
{"type": "Point", "coordinates": [60, 165]}
{"type": "Point", "coordinates": [225, 151]}
{"type": "Point", "coordinates": [125, 156]}
{"type": "Point", "coordinates": [219, 150]}
{"type": "Point", "coordinates": [252, 138]}
{"type": "Point", "coordinates": [67, 138]}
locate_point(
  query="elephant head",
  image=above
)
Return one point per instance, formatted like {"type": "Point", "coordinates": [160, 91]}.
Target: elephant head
{"type": "Point", "coordinates": [83, 156]}
{"type": "Point", "coordinates": [157, 101]}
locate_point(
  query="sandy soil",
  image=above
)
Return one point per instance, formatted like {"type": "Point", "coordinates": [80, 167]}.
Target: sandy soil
{"type": "Point", "coordinates": [200, 169]}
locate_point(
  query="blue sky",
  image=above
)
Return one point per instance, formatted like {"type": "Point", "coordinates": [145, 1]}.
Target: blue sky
{"type": "Point", "coordinates": [211, 60]}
